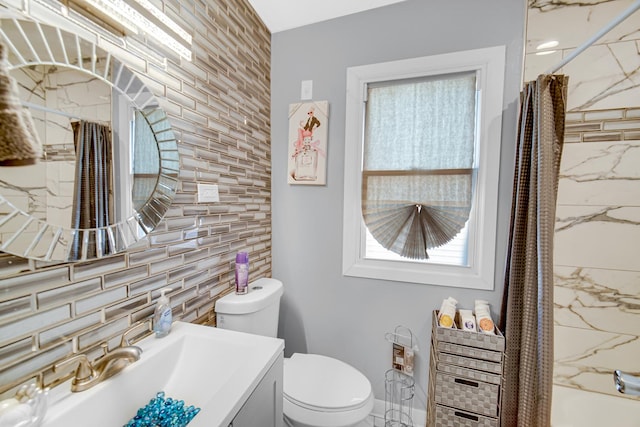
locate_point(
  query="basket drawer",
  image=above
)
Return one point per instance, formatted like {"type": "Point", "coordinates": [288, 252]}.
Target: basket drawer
{"type": "Point", "coordinates": [466, 362]}
{"type": "Point", "coordinates": [450, 417]}
{"type": "Point", "coordinates": [459, 371]}
{"type": "Point", "coordinates": [474, 396]}
{"type": "Point", "coordinates": [473, 352]}
{"type": "Point", "coordinates": [468, 338]}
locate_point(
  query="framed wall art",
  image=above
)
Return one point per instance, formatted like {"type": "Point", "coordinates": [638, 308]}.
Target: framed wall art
{"type": "Point", "coordinates": [308, 130]}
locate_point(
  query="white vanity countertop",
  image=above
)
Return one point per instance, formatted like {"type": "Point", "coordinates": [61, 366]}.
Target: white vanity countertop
{"type": "Point", "coordinates": [210, 368]}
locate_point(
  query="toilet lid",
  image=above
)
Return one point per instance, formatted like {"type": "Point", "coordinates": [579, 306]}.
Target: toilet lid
{"type": "Point", "coordinates": [323, 383]}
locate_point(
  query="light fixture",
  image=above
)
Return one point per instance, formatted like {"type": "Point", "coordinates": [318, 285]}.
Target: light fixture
{"type": "Point", "coordinates": [135, 22]}
{"type": "Point", "coordinates": [158, 14]}
{"type": "Point", "coordinates": [19, 142]}
{"type": "Point", "coordinates": [547, 45]}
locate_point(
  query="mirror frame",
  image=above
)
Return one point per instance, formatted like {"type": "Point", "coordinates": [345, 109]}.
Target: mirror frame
{"type": "Point", "coordinates": [23, 234]}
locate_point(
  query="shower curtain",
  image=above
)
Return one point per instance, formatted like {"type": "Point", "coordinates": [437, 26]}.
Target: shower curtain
{"type": "Point", "coordinates": [527, 307]}
{"type": "Point", "coordinates": [92, 204]}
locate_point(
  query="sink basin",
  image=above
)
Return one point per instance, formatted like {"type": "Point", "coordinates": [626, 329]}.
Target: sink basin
{"type": "Point", "coordinates": [210, 368]}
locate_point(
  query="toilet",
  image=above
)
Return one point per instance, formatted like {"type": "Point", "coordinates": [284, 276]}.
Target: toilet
{"type": "Point", "coordinates": [318, 391]}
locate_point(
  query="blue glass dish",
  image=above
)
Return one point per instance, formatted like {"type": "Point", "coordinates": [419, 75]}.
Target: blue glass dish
{"type": "Point", "coordinates": [163, 412]}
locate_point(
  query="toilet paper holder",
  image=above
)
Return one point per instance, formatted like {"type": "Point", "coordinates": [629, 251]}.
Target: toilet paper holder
{"type": "Point", "coordinates": [404, 349]}
{"type": "Point", "coordinates": [402, 335]}
{"type": "Point", "coordinates": [399, 382]}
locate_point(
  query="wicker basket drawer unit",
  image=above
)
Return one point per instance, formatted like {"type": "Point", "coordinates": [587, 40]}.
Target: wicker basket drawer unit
{"type": "Point", "coordinates": [465, 377]}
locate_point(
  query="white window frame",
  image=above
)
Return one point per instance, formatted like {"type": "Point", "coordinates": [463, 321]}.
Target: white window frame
{"type": "Point", "coordinates": [489, 64]}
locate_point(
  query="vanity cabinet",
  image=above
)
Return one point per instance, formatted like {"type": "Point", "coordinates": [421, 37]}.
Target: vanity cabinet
{"type": "Point", "coordinates": [465, 378]}
{"type": "Point", "coordinates": [264, 406]}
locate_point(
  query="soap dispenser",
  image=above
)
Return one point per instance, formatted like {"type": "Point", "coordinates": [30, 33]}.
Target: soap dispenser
{"type": "Point", "coordinates": [163, 316]}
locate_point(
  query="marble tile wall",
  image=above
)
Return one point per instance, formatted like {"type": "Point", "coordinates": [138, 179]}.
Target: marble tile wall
{"type": "Point", "coordinates": [219, 106]}
{"type": "Point", "coordinates": [597, 246]}
{"type": "Point", "coordinates": [604, 76]}
{"type": "Point", "coordinates": [597, 243]}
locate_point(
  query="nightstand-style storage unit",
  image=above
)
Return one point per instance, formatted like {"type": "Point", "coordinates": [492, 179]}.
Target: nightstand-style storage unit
{"type": "Point", "coordinates": [465, 378]}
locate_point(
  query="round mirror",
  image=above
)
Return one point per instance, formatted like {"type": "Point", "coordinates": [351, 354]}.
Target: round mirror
{"type": "Point", "coordinates": [109, 165]}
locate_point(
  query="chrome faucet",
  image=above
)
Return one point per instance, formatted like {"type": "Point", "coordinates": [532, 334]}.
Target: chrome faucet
{"type": "Point", "coordinates": [627, 383]}
{"type": "Point", "coordinates": [87, 374]}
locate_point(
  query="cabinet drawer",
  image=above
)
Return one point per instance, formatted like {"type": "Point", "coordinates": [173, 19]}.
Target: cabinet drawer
{"type": "Point", "coordinates": [450, 417]}
{"type": "Point", "coordinates": [473, 396]}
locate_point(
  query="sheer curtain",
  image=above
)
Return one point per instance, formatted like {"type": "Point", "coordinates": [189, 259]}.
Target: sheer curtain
{"type": "Point", "coordinates": [146, 167]}
{"type": "Point", "coordinates": [92, 193]}
{"type": "Point", "coordinates": [527, 312]}
{"type": "Point", "coordinates": [418, 161]}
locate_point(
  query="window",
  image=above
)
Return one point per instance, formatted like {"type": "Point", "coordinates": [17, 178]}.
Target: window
{"type": "Point", "coordinates": [422, 151]}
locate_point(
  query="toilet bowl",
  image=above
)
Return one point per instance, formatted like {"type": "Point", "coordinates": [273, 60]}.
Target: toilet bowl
{"type": "Point", "coordinates": [318, 391]}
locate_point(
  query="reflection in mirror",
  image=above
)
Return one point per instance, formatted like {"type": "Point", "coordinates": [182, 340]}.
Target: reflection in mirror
{"type": "Point", "coordinates": [146, 165]}
{"type": "Point", "coordinates": [109, 167]}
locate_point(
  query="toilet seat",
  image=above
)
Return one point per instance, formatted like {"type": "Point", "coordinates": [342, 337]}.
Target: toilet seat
{"type": "Point", "coordinates": [322, 391]}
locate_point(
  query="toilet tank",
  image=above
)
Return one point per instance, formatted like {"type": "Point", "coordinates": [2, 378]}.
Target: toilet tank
{"type": "Point", "coordinates": [255, 312]}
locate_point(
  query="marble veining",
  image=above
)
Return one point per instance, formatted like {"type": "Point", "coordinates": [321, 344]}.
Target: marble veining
{"type": "Point", "coordinates": [597, 299]}
{"type": "Point", "coordinates": [614, 157]}
{"type": "Point", "coordinates": [607, 74]}
{"type": "Point", "coordinates": [606, 214]}
{"type": "Point", "coordinates": [587, 363]}
{"type": "Point", "coordinates": [549, 5]}
{"type": "Point", "coordinates": [625, 78]}
{"type": "Point", "coordinates": [596, 271]}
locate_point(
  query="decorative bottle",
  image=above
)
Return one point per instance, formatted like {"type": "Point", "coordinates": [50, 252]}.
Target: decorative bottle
{"type": "Point", "coordinates": [242, 273]}
{"type": "Point", "coordinates": [306, 162]}
{"type": "Point", "coordinates": [447, 312]}
{"type": "Point", "coordinates": [483, 317]}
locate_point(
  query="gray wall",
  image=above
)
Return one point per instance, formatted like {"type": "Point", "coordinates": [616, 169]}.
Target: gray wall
{"type": "Point", "coordinates": [322, 310]}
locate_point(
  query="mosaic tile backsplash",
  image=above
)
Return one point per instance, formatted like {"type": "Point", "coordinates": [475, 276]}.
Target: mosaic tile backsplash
{"type": "Point", "coordinates": [219, 106]}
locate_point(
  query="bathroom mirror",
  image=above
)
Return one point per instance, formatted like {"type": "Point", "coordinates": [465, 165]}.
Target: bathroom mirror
{"type": "Point", "coordinates": [109, 165]}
